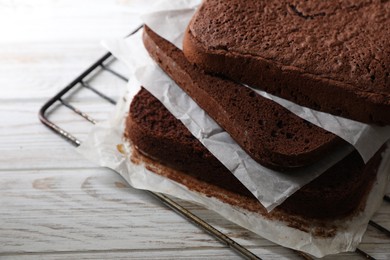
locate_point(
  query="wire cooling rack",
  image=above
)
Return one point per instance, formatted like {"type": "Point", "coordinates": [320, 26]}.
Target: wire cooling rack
{"type": "Point", "coordinates": [85, 82]}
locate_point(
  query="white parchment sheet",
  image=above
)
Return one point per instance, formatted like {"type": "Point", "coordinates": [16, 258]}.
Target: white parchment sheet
{"type": "Point", "coordinates": [170, 22]}
{"type": "Point", "coordinates": [101, 147]}
{"type": "Point", "coordinates": [169, 19]}
{"type": "Point", "coordinates": [270, 187]}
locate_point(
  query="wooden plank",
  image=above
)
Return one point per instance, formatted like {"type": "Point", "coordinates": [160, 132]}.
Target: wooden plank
{"type": "Point", "coordinates": [63, 20]}
{"type": "Point", "coordinates": [27, 144]}
{"type": "Point", "coordinates": [46, 47]}
{"type": "Point", "coordinates": [83, 210]}
{"type": "Point", "coordinates": [49, 211]}
{"type": "Point", "coordinates": [41, 70]}
{"type": "Point", "coordinates": [94, 210]}
{"type": "Point", "coordinates": [201, 253]}
{"type": "Point", "coordinates": [382, 216]}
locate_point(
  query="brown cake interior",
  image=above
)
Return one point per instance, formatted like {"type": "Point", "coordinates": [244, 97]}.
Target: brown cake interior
{"type": "Point", "coordinates": [272, 135]}
{"type": "Point", "coordinates": [159, 136]}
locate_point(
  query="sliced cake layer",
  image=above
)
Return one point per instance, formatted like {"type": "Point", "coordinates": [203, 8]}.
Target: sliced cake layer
{"type": "Point", "coordinates": [154, 131]}
{"type": "Point", "coordinates": [269, 133]}
{"type": "Point", "coordinates": [332, 56]}
{"type": "Point", "coordinates": [158, 135]}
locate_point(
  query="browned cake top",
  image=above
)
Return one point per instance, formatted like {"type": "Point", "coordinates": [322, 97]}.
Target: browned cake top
{"type": "Point", "coordinates": [346, 41]}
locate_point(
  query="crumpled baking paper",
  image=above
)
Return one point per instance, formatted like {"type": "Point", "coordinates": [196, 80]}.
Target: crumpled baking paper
{"type": "Point", "coordinates": [270, 187]}
{"type": "Point", "coordinates": [102, 148]}
{"type": "Point", "coordinates": [102, 145]}
{"type": "Point", "coordinates": [170, 21]}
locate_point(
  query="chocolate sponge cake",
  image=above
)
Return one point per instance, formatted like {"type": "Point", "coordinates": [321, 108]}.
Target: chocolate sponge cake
{"type": "Point", "coordinates": [269, 133]}
{"type": "Point", "coordinates": [159, 136]}
{"type": "Point", "coordinates": [332, 56]}
{"type": "Point", "coordinates": [156, 132]}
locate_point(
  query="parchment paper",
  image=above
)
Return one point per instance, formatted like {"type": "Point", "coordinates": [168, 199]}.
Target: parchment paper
{"type": "Point", "coordinates": [101, 147]}
{"type": "Point", "coordinates": [170, 22]}
{"type": "Point", "coordinates": [270, 187]}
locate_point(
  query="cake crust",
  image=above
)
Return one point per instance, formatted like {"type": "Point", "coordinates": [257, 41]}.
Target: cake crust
{"type": "Point", "coordinates": [332, 56]}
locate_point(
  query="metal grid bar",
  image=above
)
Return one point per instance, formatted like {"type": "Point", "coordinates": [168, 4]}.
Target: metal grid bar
{"type": "Point", "coordinates": [102, 95]}
{"type": "Point", "coordinates": [164, 199]}
{"type": "Point", "coordinates": [361, 252]}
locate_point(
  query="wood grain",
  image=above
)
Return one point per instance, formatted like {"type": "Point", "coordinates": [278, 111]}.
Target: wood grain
{"type": "Point", "coordinates": [45, 44]}
{"type": "Point", "coordinates": [83, 210]}
{"type": "Point", "coordinates": [56, 213]}
{"type": "Point", "coordinates": [53, 203]}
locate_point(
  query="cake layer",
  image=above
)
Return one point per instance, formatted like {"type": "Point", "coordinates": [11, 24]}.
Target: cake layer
{"type": "Point", "coordinates": [157, 134]}
{"type": "Point", "coordinates": [153, 130]}
{"type": "Point", "coordinates": [269, 133]}
{"type": "Point", "coordinates": [332, 56]}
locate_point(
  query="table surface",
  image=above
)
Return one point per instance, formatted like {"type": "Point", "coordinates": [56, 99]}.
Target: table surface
{"type": "Point", "coordinates": [53, 203]}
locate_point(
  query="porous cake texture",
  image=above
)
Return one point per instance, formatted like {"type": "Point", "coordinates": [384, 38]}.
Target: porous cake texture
{"type": "Point", "coordinates": [157, 135]}
{"type": "Point", "coordinates": [269, 133]}
{"type": "Point", "coordinates": [332, 56]}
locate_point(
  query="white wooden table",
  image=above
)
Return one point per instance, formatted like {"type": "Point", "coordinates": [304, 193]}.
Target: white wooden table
{"type": "Point", "coordinates": [55, 204]}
